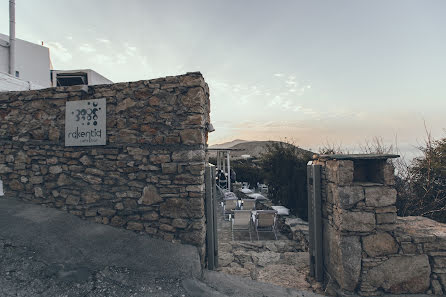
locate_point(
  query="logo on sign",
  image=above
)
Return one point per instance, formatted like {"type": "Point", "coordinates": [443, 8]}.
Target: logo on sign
{"type": "Point", "coordinates": [85, 122]}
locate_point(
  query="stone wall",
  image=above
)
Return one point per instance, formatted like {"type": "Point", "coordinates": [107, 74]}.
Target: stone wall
{"type": "Point", "coordinates": [367, 248]}
{"type": "Point", "coordinates": [149, 177]}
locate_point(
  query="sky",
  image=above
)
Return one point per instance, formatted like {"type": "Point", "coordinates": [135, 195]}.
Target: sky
{"type": "Point", "coordinates": [316, 73]}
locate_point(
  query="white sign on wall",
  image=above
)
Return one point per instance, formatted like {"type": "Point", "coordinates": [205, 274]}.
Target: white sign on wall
{"type": "Point", "coordinates": [85, 122]}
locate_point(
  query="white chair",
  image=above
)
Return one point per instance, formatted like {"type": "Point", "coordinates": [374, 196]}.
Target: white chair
{"type": "Point", "coordinates": [249, 204]}
{"type": "Point", "coordinates": [229, 205]}
{"type": "Point", "coordinates": [241, 222]}
{"type": "Point", "coordinates": [265, 221]}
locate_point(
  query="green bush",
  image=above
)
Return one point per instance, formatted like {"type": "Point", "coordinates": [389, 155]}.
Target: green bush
{"type": "Point", "coordinates": [247, 171]}
{"type": "Point", "coordinates": [421, 185]}
{"type": "Point", "coordinates": [285, 169]}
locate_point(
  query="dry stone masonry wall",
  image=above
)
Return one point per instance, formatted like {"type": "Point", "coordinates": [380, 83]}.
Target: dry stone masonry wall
{"type": "Point", "coordinates": [367, 248]}
{"type": "Point", "coordinates": [149, 177]}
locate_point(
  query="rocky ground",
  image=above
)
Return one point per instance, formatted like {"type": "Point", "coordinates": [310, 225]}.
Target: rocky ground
{"type": "Point", "coordinates": [281, 262]}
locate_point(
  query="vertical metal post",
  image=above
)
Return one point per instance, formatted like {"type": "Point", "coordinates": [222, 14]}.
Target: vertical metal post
{"type": "Point", "coordinates": [317, 216]}
{"type": "Point", "coordinates": [214, 215]}
{"type": "Point", "coordinates": [209, 219]}
{"type": "Point", "coordinates": [12, 37]}
{"type": "Point", "coordinates": [223, 162]}
{"type": "Point", "coordinates": [315, 221]}
{"type": "Point", "coordinates": [229, 173]}
{"type": "Point", "coordinates": [310, 216]}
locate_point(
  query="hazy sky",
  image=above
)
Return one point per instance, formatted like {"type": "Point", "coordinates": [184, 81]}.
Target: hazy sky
{"type": "Point", "coordinates": [315, 72]}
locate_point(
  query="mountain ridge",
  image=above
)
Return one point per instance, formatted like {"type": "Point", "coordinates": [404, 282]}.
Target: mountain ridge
{"type": "Point", "coordinates": [253, 148]}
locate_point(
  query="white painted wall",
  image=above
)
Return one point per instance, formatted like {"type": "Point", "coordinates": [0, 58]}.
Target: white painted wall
{"type": "Point", "coordinates": [32, 61]}
{"type": "Point", "coordinates": [11, 83]}
{"type": "Point", "coordinates": [95, 78]}
{"type": "Point", "coordinates": [4, 57]}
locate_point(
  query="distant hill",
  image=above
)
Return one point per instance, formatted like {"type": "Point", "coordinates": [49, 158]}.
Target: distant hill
{"type": "Point", "coordinates": [252, 148]}
{"type": "Point", "coordinates": [228, 144]}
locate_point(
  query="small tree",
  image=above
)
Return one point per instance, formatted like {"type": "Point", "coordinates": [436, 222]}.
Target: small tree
{"type": "Point", "coordinates": [285, 170]}
{"type": "Point", "coordinates": [421, 185]}
{"type": "Point", "coordinates": [247, 171]}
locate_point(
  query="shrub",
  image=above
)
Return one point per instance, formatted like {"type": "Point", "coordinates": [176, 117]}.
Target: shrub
{"type": "Point", "coordinates": [285, 168]}
{"type": "Point", "coordinates": [421, 185]}
{"type": "Point", "coordinates": [248, 171]}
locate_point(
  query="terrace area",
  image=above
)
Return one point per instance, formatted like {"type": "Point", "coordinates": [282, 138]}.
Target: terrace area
{"type": "Point", "coordinates": [283, 262]}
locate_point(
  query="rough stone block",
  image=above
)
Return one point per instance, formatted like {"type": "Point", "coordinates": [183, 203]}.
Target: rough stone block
{"type": "Point", "coordinates": [179, 223]}
{"type": "Point", "coordinates": [55, 169]}
{"type": "Point", "coordinates": [150, 196]}
{"type": "Point", "coordinates": [168, 168]}
{"type": "Point", "coordinates": [385, 218]}
{"type": "Point", "coordinates": [354, 221]}
{"type": "Point", "coordinates": [167, 228]}
{"type": "Point", "coordinates": [408, 248]}
{"type": "Point", "coordinates": [38, 192]}
{"type": "Point", "coordinates": [125, 104]}
{"type": "Point", "coordinates": [175, 208]}
{"type": "Point", "coordinates": [188, 155]}
{"type": "Point", "coordinates": [91, 212]}
{"type": "Point", "coordinates": [340, 172]}
{"type": "Point", "coordinates": [380, 196]}
{"type": "Point", "coordinates": [436, 288]}
{"type": "Point", "coordinates": [158, 159]}
{"type": "Point", "coordinates": [15, 185]}
{"type": "Point", "coordinates": [389, 174]}
{"type": "Point", "coordinates": [136, 226]}
{"type": "Point", "coordinates": [184, 179]}
{"type": "Point", "coordinates": [195, 97]}
{"type": "Point", "coordinates": [346, 197]}
{"type": "Point", "coordinates": [439, 262]}
{"type": "Point", "coordinates": [117, 221]}
{"type": "Point", "coordinates": [106, 212]}
{"type": "Point", "coordinates": [72, 200]}
{"type": "Point", "coordinates": [434, 246]}
{"type": "Point", "coordinates": [151, 216]}
{"type": "Point", "coordinates": [4, 169]}
{"type": "Point", "coordinates": [379, 244]}
{"type": "Point", "coordinates": [442, 278]}
{"type": "Point", "coordinates": [192, 136]}
{"type": "Point", "coordinates": [90, 197]}
{"type": "Point", "coordinates": [36, 180]}
{"type": "Point", "coordinates": [401, 275]}
{"type": "Point", "coordinates": [342, 257]}
{"type": "Point", "coordinates": [224, 259]}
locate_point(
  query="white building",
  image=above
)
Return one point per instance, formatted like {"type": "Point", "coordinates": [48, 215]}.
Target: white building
{"type": "Point", "coordinates": [77, 77]}
{"type": "Point", "coordinates": [33, 69]}
{"type": "Point", "coordinates": [32, 63]}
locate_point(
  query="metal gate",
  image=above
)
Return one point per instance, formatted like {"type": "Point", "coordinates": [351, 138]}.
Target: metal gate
{"type": "Point", "coordinates": [211, 218]}
{"type": "Point", "coordinates": [315, 220]}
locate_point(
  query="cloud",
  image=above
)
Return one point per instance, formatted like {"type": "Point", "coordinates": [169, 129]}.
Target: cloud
{"type": "Point", "coordinates": [291, 81]}
{"type": "Point", "coordinates": [87, 48]}
{"type": "Point", "coordinates": [278, 74]}
{"type": "Point", "coordinates": [59, 52]}
{"type": "Point", "coordinates": [103, 40]}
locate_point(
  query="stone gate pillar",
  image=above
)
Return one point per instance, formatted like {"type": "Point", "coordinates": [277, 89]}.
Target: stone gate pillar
{"type": "Point", "coordinates": [358, 210]}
